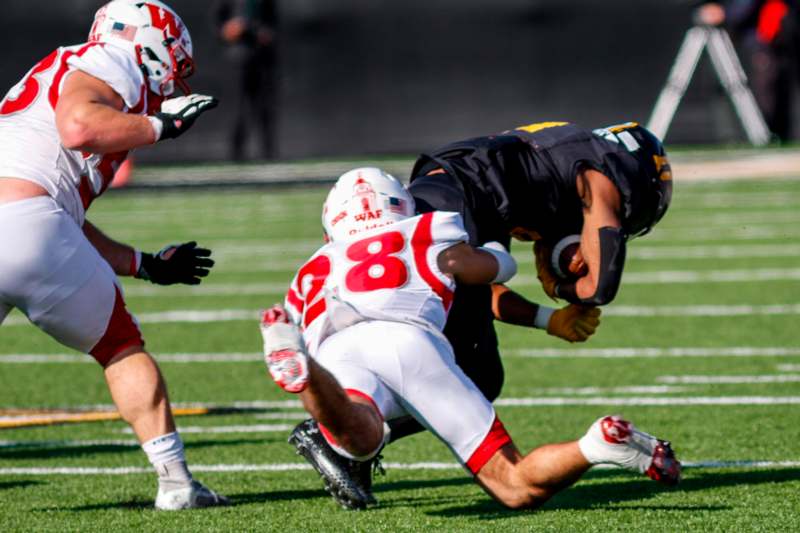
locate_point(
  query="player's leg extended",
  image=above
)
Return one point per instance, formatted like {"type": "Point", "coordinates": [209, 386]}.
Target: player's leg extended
{"type": "Point", "coordinates": [463, 418]}
{"type": "Point", "coordinates": [70, 292]}
{"type": "Point", "coordinates": [527, 482]}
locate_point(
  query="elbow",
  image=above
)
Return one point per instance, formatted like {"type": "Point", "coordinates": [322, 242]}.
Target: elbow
{"type": "Point", "coordinates": [75, 132]}
{"type": "Point", "coordinates": [604, 293]}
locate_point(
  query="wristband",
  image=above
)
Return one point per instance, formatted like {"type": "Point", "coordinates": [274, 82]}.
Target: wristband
{"type": "Point", "coordinates": [136, 262]}
{"type": "Point", "coordinates": [506, 265]}
{"type": "Point", "coordinates": [158, 127]}
{"type": "Point", "coordinates": [542, 318]}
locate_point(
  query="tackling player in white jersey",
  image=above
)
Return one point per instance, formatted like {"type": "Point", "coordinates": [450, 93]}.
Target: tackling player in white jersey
{"type": "Point", "coordinates": [64, 130]}
{"type": "Point", "coordinates": [371, 304]}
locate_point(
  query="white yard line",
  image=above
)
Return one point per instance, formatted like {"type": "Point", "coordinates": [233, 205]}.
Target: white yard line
{"type": "Point", "coordinates": [293, 467]}
{"type": "Point", "coordinates": [162, 358]}
{"type": "Point", "coordinates": [711, 276]}
{"type": "Point", "coordinates": [543, 353]}
{"type": "Point", "coordinates": [226, 315]}
{"type": "Point", "coordinates": [711, 380]}
{"type": "Point", "coordinates": [695, 234]}
{"type": "Point", "coordinates": [652, 401]}
{"type": "Point", "coordinates": [253, 428]}
{"type": "Point", "coordinates": [275, 254]}
{"type": "Point", "coordinates": [713, 251]}
{"type": "Point", "coordinates": [634, 389]}
{"type": "Point", "coordinates": [650, 352]}
{"type": "Point", "coordinates": [14, 444]}
{"type": "Point", "coordinates": [299, 415]}
{"type": "Point", "coordinates": [281, 405]}
{"type": "Point", "coordinates": [701, 310]}
{"type": "Point", "coordinates": [542, 401]}
{"type": "Point", "coordinates": [660, 277]}
{"type": "Point", "coordinates": [210, 289]}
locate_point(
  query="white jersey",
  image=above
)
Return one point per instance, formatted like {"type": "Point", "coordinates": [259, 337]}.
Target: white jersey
{"type": "Point", "coordinates": [388, 274]}
{"type": "Point", "coordinates": [30, 147]}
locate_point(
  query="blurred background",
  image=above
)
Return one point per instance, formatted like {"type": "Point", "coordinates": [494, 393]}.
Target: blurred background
{"type": "Point", "coordinates": [320, 79]}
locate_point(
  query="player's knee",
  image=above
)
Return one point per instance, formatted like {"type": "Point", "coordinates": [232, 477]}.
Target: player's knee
{"type": "Point", "coordinates": [360, 446]}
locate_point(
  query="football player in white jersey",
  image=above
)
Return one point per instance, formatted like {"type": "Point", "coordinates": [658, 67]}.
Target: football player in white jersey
{"type": "Point", "coordinates": [64, 130]}
{"type": "Point", "coordinates": [360, 340]}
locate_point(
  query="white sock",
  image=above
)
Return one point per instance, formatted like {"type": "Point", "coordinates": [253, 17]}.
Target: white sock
{"type": "Point", "coordinates": [167, 457]}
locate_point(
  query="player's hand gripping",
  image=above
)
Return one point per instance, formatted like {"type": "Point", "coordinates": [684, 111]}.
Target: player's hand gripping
{"type": "Point", "coordinates": [184, 263]}
{"type": "Point", "coordinates": [544, 271]}
{"type": "Point", "coordinates": [177, 115]}
{"type": "Point", "coordinates": [574, 323]}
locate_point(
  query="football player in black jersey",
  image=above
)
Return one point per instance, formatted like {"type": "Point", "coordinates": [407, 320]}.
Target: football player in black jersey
{"type": "Point", "coordinates": [540, 183]}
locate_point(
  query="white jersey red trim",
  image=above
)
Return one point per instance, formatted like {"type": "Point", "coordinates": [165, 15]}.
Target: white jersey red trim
{"type": "Point", "coordinates": [30, 146]}
{"type": "Point", "coordinates": [388, 274]}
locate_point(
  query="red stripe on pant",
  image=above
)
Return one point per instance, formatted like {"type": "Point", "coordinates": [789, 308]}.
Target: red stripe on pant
{"type": "Point", "coordinates": [121, 333]}
{"type": "Point", "coordinates": [495, 439]}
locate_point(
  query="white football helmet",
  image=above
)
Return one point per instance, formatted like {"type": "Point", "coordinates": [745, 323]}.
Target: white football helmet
{"type": "Point", "coordinates": [364, 199]}
{"type": "Point", "coordinates": [155, 34]}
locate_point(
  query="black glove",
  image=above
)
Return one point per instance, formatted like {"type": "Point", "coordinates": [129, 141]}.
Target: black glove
{"type": "Point", "coordinates": [178, 114]}
{"type": "Point", "coordinates": [184, 263]}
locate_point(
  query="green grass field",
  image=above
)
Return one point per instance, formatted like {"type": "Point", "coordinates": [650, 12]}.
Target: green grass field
{"type": "Point", "coordinates": [701, 347]}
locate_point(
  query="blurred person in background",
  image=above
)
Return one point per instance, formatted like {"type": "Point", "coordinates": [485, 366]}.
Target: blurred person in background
{"type": "Point", "coordinates": [247, 27]}
{"type": "Point", "coordinates": [65, 128]}
{"type": "Point", "coordinates": [768, 32]}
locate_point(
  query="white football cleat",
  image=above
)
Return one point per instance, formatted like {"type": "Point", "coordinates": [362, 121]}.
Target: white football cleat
{"type": "Point", "coordinates": [616, 441]}
{"type": "Point", "coordinates": [283, 350]}
{"type": "Point", "coordinates": [195, 496]}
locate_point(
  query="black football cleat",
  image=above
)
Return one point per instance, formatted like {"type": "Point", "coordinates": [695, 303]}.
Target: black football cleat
{"type": "Point", "coordinates": [348, 482]}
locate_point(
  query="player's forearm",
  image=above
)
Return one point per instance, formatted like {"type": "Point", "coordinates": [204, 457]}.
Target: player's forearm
{"type": "Point", "coordinates": [512, 308]}
{"type": "Point", "coordinates": [600, 285]}
{"type": "Point", "coordinates": [98, 128]}
{"type": "Point", "coordinates": [121, 257]}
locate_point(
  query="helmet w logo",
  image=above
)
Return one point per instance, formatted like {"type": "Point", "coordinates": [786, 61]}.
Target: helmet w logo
{"type": "Point", "coordinates": [164, 20]}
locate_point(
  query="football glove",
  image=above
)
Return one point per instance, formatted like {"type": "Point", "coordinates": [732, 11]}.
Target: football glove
{"type": "Point", "coordinates": [177, 115]}
{"type": "Point", "coordinates": [184, 263]}
{"type": "Point", "coordinates": [544, 269]}
{"type": "Point", "coordinates": [574, 323]}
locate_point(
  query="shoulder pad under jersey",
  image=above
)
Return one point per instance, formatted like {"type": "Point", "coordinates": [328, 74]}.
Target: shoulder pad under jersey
{"type": "Point", "coordinates": [114, 66]}
{"type": "Point", "coordinates": [448, 226]}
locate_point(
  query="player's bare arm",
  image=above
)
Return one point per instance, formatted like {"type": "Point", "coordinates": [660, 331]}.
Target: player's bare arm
{"type": "Point", "coordinates": [176, 263]}
{"type": "Point", "coordinates": [573, 323]}
{"type": "Point", "coordinates": [89, 118]}
{"type": "Point", "coordinates": [121, 257]}
{"type": "Point", "coordinates": [477, 266]}
{"type": "Point", "coordinates": [602, 242]}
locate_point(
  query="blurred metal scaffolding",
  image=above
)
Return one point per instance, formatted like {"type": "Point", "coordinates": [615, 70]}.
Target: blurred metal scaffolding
{"type": "Point", "coordinates": [730, 73]}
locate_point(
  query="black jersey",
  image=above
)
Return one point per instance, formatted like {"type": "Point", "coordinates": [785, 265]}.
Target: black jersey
{"type": "Point", "coordinates": [526, 178]}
